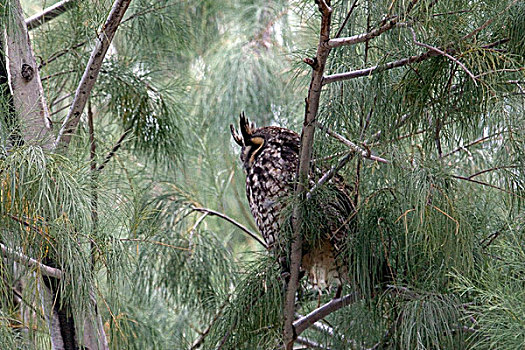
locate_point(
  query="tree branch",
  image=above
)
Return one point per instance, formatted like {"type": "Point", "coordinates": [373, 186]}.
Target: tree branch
{"type": "Point", "coordinates": [355, 148]}
{"type": "Point", "coordinates": [485, 184]}
{"type": "Point", "coordinates": [49, 13]}
{"type": "Point", "coordinates": [361, 38]}
{"type": "Point", "coordinates": [197, 343]}
{"type": "Point", "coordinates": [333, 305]}
{"type": "Point", "coordinates": [441, 52]}
{"type": "Point", "coordinates": [377, 69]}
{"type": "Point", "coordinates": [310, 343]}
{"type": "Point", "coordinates": [230, 220]}
{"type": "Point", "coordinates": [91, 73]}
{"type": "Point", "coordinates": [115, 148]}
{"type": "Point", "coordinates": [340, 30]}
{"type": "Point", "coordinates": [25, 260]}
{"type": "Point", "coordinates": [330, 173]}
{"type": "Point", "coordinates": [303, 170]}
{"type": "Point", "coordinates": [488, 22]}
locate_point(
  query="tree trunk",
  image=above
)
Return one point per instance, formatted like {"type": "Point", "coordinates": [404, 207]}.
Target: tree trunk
{"type": "Point", "coordinates": [31, 110]}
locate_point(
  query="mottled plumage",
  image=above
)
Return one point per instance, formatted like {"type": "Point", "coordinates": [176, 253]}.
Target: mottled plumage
{"type": "Point", "coordinates": [270, 157]}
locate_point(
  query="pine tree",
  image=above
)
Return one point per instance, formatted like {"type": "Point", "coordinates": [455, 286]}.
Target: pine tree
{"type": "Point", "coordinates": [129, 218]}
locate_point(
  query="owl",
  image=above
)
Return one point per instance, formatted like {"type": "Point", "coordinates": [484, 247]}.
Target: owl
{"type": "Point", "coordinates": [270, 157]}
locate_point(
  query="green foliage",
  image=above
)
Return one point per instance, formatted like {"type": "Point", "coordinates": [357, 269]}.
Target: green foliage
{"type": "Point", "coordinates": [253, 316]}
{"type": "Point", "coordinates": [496, 290]}
{"type": "Point", "coordinates": [435, 249]}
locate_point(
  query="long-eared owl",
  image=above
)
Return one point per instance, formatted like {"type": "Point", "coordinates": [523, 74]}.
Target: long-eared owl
{"type": "Point", "coordinates": [270, 157]}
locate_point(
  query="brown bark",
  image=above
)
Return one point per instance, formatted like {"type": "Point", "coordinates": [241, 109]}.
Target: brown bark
{"type": "Point", "coordinates": [305, 157]}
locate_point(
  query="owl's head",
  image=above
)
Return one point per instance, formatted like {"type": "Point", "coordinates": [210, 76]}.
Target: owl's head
{"type": "Point", "coordinates": [270, 144]}
{"type": "Point", "coordinates": [251, 139]}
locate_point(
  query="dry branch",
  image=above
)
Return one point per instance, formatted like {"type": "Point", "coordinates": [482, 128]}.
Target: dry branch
{"type": "Point", "coordinates": [91, 73]}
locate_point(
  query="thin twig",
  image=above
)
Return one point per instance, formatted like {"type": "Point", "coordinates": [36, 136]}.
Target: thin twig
{"type": "Point", "coordinates": [473, 143]}
{"type": "Point", "coordinates": [340, 30]}
{"type": "Point", "coordinates": [441, 52]}
{"type": "Point", "coordinates": [197, 344]}
{"type": "Point", "coordinates": [25, 260]}
{"type": "Point", "coordinates": [486, 184]}
{"type": "Point", "coordinates": [330, 173]}
{"type": "Point", "coordinates": [230, 220]}
{"type": "Point", "coordinates": [488, 22]}
{"type": "Point", "coordinates": [355, 148]}
{"type": "Point", "coordinates": [91, 73]}
{"type": "Point", "coordinates": [115, 148]}
{"type": "Point", "coordinates": [153, 242]}
{"type": "Point", "coordinates": [57, 74]}
{"type": "Point", "coordinates": [493, 169]}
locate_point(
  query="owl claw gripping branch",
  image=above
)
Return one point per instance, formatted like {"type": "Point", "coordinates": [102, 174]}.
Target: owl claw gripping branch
{"type": "Point", "coordinates": [270, 156]}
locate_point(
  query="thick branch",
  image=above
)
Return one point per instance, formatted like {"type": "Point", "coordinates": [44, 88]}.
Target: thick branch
{"type": "Point", "coordinates": [307, 140]}
{"type": "Point", "coordinates": [91, 73]}
{"type": "Point", "coordinates": [230, 220]}
{"type": "Point", "coordinates": [333, 305]}
{"type": "Point", "coordinates": [49, 13]}
{"type": "Point", "coordinates": [25, 260]}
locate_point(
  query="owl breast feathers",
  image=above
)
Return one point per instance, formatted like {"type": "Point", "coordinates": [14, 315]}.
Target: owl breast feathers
{"type": "Point", "coordinates": [270, 157]}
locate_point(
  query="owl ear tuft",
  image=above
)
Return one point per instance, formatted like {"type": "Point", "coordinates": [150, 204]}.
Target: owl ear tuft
{"type": "Point", "coordinates": [236, 137]}
{"type": "Point", "coordinates": [246, 128]}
